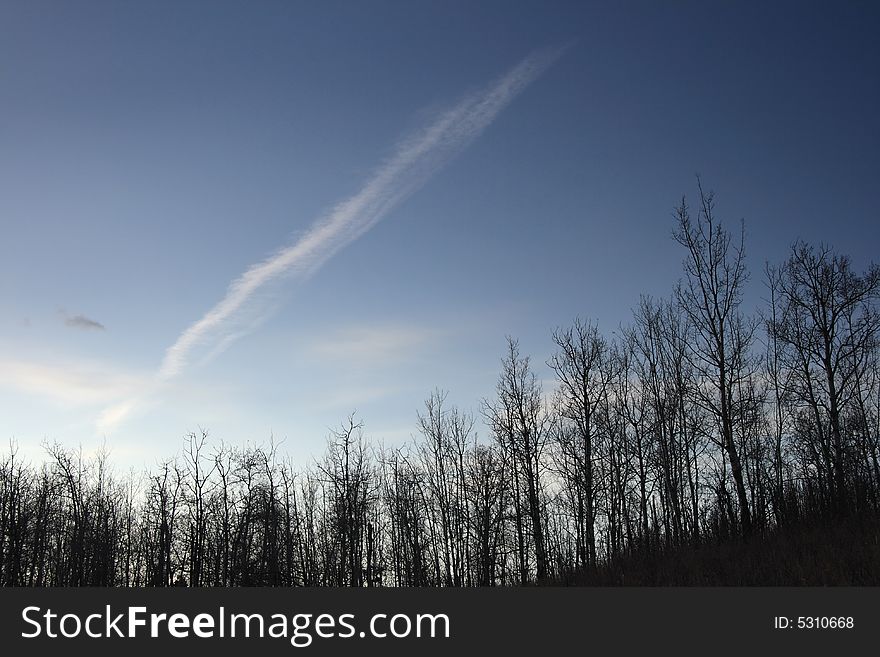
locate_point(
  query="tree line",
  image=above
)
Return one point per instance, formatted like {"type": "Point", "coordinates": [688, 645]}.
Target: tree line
{"type": "Point", "coordinates": [697, 425]}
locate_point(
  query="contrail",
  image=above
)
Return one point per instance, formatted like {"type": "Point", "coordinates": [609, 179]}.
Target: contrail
{"type": "Point", "coordinates": [410, 166]}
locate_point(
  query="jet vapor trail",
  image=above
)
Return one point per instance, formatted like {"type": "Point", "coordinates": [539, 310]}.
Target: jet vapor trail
{"type": "Point", "coordinates": [410, 166]}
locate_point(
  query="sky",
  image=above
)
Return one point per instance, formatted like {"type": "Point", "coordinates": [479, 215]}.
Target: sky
{"type": "Point", "coordinates": [256, 218]}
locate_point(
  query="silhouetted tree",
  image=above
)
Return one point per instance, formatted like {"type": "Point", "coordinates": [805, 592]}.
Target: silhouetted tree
{"type": "Point", "coordinates": [519, 423]}
{"type": "Point", "coordinates": [710, 296]}
{"type": "Point", "coordinates": [829, 325]}
{"type": "Point", "coordinates": [663, 445]}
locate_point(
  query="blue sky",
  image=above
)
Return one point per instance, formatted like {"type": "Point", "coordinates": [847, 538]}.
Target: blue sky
{"type": "Point", "coordinates": [151, 153]}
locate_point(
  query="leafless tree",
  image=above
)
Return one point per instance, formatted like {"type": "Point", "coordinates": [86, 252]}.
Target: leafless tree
{"type": "Point", "coordinates": [710, 296]}
{"type": "Point", "coordinates": [519, 420]}
{"type": "Point", "coordinates": [584, 371]}
{"type": "Point", "coordinates": [829, 325]}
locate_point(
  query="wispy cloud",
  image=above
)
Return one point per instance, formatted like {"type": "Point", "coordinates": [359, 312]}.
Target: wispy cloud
{"type": "Point", "coordinates": [365, 345]}
{"type": "Point", "coordinates": [409, 167]}
{"type": "Point", "coordinates": [70, 383]}
{"type": "Point", "coordinates": [113, 415]}
{"type": "Point", "coordinates": [341, 400]}
{"type": "Point", "coordinates": [83, 322]}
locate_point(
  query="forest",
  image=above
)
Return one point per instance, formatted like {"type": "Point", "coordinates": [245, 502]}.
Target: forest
{"type": "Point", "coordinates": [700, 444]}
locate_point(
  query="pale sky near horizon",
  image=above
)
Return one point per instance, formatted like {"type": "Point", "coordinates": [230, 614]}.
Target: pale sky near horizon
{"type": "Point", "coordinates": [151, 153]}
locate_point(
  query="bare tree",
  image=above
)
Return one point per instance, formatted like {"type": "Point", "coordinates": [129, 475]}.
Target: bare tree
{"type": "Point", "coordinates": [519, 421]}
{"type": "Point", "coordinates": [830, 326]}
{"type": "Point", "coordinates": [584, 371]}
{"type": "Point", "coordinates": [351, 489]}
{"type": "Point", "coordinates": [710, 296]}
{"type": "Point", "coordinates": [446, 436]}
{"type": "Point", "coordinates": [197, 486]}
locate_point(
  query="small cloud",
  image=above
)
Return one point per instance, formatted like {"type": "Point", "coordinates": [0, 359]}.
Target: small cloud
{"type": "Point", "coordinates": [70, 383]}
{"type": "Point", "coordinates": [346, 399]}
{"type": "Point", "coordinates": [82, 322]}
{"type": "Point", "coordinates": [365, 345]}
{"type": "Point", "coordinates": [113, 415]}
